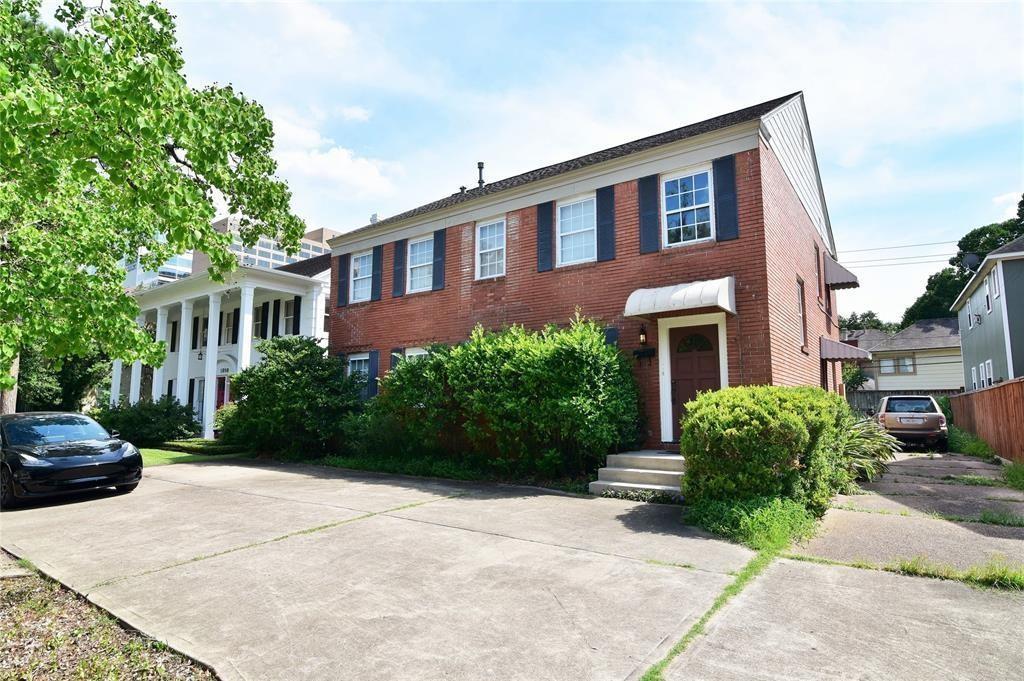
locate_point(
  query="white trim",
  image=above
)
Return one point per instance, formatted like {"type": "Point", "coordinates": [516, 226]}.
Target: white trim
{"type": "Point", "coordinates": [409, 265]}
{"type": "Point", "coordinates": [416, 352]}
{"type": "Point", "coordinates": [974, 378]}
{"type": "Point", "coordinates": [988, 295]}
{"type": "Point", "coordinates": [678, 174]}
{"type": "Point", "coordinates": [476, 247]}
{"type": "Point", "coordinates": [357, 357]}
{"type": "Point", "coordinates": [713, 293]}
{"type": "Point", "coordinates": [580, 198]}
{"type": "Point", "coordinates": [989, 371]}
{"type": "Point", "coordinates": [970, 316]}
{"type": "Point", "coordinates": [983, 271]}
{"type": "Point", "coordinates": [665, 360]}
{"type": "Point", "coordinates": [352, 277]}
{"type": "Point", "coordinates": [1006, 323]}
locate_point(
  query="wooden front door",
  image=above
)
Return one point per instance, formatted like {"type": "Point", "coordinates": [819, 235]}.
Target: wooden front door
{"type": "Point", "coordinates": [694, 358]}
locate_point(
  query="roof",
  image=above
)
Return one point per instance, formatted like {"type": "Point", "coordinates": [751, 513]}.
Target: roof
{"type": "Point", "coordinates": [689, 296]}
{"type": "Point", "coordinates": [864, 338]}
{"type": "Point", "coordinates": [1012, 250]}
{"type": "Point", "coordinates": [309, 267]}
{"type": "Point", "coordinates": [926, 334]}
{"type": "Point", "coordinates": [748, 114]}
{"type": "Point", "coordinates": [831, 349]}
{"type": "Point", "coordinates": [1015, 246]}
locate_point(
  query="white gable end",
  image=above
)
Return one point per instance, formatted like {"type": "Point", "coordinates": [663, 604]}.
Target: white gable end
{"type": "Point", "coordinates": [788, 134]}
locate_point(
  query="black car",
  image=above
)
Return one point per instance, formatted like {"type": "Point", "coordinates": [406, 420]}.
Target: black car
{"type": "Point", "coordinates": [46, 453]}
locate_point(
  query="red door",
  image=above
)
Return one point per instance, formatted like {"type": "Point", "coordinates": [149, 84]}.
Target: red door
{"type": "Point", "coordinates": [223, 394]}
{"type": "Point", "coordinates": [694, 352]}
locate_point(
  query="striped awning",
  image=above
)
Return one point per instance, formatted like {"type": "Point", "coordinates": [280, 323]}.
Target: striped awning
{"type": "Point", "coordinates": [719, 293]}
{"type": "Point", "coordinates": [833, 349]}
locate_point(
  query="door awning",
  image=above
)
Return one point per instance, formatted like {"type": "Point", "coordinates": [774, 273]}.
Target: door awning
{"type": "Point", "coordinates": [833, 349]}
{"type": "Point", "coordinates": [837, 276]}
{"type": "Point", "coordinates": [719, 293]}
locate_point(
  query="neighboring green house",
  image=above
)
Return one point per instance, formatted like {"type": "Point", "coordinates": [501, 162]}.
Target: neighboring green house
{"type": "Point", "coordinates": [991, 313]}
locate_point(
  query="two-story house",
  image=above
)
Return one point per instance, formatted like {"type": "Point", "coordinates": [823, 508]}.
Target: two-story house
{"type": "Point", "coordinates": [705, 250]}
{"type": "Point", "coordinates": [991, 314]}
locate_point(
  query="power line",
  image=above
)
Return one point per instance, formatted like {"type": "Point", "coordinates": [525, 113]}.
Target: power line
{"type": "Point", "coordinates": [897, 264]}
{"type": "Point", "coordinates": [906, 257]}
{"type": "Point", "coordinates": [887, 248]}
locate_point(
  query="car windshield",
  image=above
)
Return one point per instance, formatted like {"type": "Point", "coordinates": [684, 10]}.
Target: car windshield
{"type": "Point", "coordinates": [910, 405]}
{"type": "Point", "coordinates": [53, 428]}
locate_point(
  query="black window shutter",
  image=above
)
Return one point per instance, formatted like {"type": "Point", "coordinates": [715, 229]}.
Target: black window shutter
{"type": "Point", "coordinates": [545, 236]}
{"type": "Point", "coordinates": [195, 332]}
{"type": "Point", "coordinates": [296, 314]}
{"type": "Point", "coordinates": [398, 271]}
{"type": "Point", "coordinates": [170, 386]}
{"type": "Point", "coordinates": [235, 320]}
{"type": "Point", "coordinates": [650, 216]}
{"type": "Point", "coordinates": [727, 221]}
{"type": "Point", "coordinates": [205, 332]}
{"type": "Point", "coordinates": [191, 391]}
{"type": "Point", "coordinates": [371, 377]}
{"type": "Point", "coordinates": [611, 335]}
{"type": "Point", "coordinates": [174, 337]}
{"type": "Point", "coordinates": [265, 319]}
{"type": "Point", "coordinates": [342, 280]}
{"type": "Point", "coordinates": [439, 246]}
{"type": "Point", "coordinates": [220, 328]}
{"type": "Point", "coordinates": [396, 356]}
{"type": "Point", "coordinates": [276, 328]}
{"type": "Point", "coordinates": [378, 267]}
{"type": "Point", "coordinates": [606, 223]}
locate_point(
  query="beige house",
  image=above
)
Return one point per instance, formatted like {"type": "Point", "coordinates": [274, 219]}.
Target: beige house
{"type": "Point", "coordinates": [922, 357]}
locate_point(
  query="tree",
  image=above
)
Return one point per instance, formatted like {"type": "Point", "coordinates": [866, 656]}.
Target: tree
{"type": "Point", "coordinates": [865, 320]}
{"type": "Point", "coordinates": [854, 376]}
{"type": "Point", "coordinates": [945, 285]}
{"type": "Point", "coordinates": [45, 383]}
{"type": "Point", "coordinates": [106, 151]}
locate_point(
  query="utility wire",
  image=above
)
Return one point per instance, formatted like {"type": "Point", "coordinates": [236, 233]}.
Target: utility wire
{"type": "Point", "coordinates": [886, 248]}
{"type": "Point", "coordinates": [896, 264]}
{"type": "Point", "coordinates": [906, 257]}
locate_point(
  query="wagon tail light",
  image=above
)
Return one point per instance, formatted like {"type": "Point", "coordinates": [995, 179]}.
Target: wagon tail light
{"type": "Point", "coordinates": [942, 420]}
{"type": "Point", "coordinates": [881, 419]}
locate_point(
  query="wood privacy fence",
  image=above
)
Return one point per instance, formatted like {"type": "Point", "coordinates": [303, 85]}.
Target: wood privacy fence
{"type": "Point", "coordinates": [996, 415]}
{"type": "Point", "coordinates": [863, 400]}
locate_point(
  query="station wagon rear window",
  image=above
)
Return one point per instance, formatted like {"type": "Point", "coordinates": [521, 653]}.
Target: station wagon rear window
{"type": "Point", "coordinates": [910, 405]}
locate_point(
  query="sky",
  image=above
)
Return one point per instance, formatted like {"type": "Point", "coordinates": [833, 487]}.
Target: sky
{"type": "Point", "coordinates": [917, 110]}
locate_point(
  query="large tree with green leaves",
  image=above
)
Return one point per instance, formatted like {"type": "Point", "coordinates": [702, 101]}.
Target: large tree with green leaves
{"type": "Point", "coordinates": [105, 150]}
{"type": "Point", "coordinates": [866, 320]}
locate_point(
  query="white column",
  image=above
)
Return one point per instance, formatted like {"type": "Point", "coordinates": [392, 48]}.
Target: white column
{"type": "Point", "coordinates": [135, 384]}
{"type": "Point", "coordinates": [184, 352]}
{"type": "Point", "coordinates": [310, 311]}
{"type": "Point", "coordinates": [245, 321]}
{"type": "Point", "coordinates": [210, 371]}
{"type": "Point", "coordinates": [115, 383]}
{"type": "Point", "coordinates": [161, 335]}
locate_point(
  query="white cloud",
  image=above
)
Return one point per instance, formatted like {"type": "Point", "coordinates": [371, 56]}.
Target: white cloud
{"type": "Point", "coordinates": [354, 113]}
{"type": "Point", "coordinates": [1007, 203]}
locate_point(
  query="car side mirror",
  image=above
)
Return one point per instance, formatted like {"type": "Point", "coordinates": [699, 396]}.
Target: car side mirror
{"type": "Point", "coordinates": [114, 435]}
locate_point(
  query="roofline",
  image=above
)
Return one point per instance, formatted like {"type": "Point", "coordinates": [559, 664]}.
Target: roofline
{"type": "Point", "coordinates": [231, 280]}
{"type": "Point", "coordinates": [373, 229]}
{"type": "Point", "coordinates": [983, 269]}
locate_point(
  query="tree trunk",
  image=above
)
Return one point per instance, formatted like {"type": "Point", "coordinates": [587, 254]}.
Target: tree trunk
{"type": "Point", "coordinates": [9, 398]}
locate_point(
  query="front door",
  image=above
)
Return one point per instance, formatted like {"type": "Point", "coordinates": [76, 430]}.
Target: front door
{"type": "Point", "coordinates": [223, 388]}
{"type": "Point", "coordinates": [694, 353]}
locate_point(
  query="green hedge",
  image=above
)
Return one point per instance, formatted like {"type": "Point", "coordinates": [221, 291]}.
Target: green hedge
{"type": "Point", "coordinates": [147, 423]}
{"type": "Point", "coordinates": [546, 403]}
{"type": "Point", "coordinates": [766, 442]}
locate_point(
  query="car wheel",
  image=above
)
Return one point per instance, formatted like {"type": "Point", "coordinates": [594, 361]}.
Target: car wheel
{"type": "Point", "coordinates": [125, 489]}
{"type": "Point", "coordinates": [7, 499]}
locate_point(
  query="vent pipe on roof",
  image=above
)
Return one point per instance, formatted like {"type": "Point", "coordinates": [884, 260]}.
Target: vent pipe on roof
{"type": "Point", "coordinates": [374, 219]}
{"type": "Point", "coordinates": [480, 169]}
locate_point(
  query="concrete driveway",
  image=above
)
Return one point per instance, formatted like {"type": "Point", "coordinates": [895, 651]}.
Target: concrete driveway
{"type": "Point", "coordinates": [268, 571]}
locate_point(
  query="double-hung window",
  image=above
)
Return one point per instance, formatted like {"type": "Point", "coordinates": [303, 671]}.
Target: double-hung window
{"type": "Point", "coordinates": [970, 317]}
{"type": "Point", "coordinates": [359, 364]}
{"type": "Point", "coordinates": [995, 282]}
{"type": "Point", "coordinates": [887, 365]}
{"type": "Point", "coordinates": [421, 265]}
{"type": "Point", "coordinates": [801, 310]}
{"type": "Point", "coordinates": [686, 200]}
{"type": "Point", "coordinates": [989, 374]}
{"type": "Point", "coordinates": [906, 364]}
{"type": "Point", "coordinates": [490, 249]}
{"type": "Point", "coordinates": [258, 321]}
{"type": "Point", "coordinates": [362, 277]}
{"type": "Point", "coordinates": [974, 378]}
{"type": "Point", "coordinates": [577, 231]}
{"type": "Point", "coordinates": [228, 330]}
{"type": "Point", "coordinates": [988, 296]}
{"type": "Point", "coordinates": [289, 317]}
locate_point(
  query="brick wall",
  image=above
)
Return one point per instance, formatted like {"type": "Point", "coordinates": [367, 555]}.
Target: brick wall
{"type": "Point", "coordinates": [599, 290]}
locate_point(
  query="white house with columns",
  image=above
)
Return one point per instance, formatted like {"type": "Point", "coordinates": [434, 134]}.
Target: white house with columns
{"type": "Point", "coordinates": [211, 328]}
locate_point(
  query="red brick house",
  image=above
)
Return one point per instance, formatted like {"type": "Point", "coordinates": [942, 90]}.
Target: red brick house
{"type": "Point", "coordinates": [706, 251]}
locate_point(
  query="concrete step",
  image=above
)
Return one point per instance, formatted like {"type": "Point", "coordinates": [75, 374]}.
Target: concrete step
{"type": "Point", "coordinates": [599, 486]}
{"type": "Point", "coordinates": [640, 476]}
{"type": "Point", "coordinates": [651, 460]}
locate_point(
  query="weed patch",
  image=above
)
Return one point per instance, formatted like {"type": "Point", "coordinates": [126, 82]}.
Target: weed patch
{"type": "Point", "coordinates": [976, 480]}
{"type": "Point", "coordinates": [997, 573]}
{"type": "Point", "coordinates": [762, 524]}
{"type": "Point", "coordinates": [967, 443]}
{"type": "Point", "coordinates": [1013, 475]}
{"type": "Point", "coordinates": [645, 495]}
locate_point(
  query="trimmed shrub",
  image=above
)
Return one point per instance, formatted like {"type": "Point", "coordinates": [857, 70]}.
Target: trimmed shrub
{"type": "Point", "coordinates": [546, 403]}
{"type": "Point", "coordinates": [294, 402]}
{"type": "Point", "coordinates": [147, 423]}
{"type": "Point", "coordinates": [765, 441]}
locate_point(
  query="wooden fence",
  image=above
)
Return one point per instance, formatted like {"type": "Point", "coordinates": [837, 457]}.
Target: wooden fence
{"type": "Point", "coordinates": [863, 400]}
{"type": "Point", "coordinates": [996, 415]}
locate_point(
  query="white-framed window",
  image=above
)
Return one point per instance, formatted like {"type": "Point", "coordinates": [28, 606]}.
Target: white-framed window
{"type": "Point", "coordinates": [995, 282]}
{"type": "Point", "coordinates": [974, 378]}
{"type": "Point", "coordinates": [359, 363]}
{"type": "Point", "coordinates": [887, 365]}
{"type": "Point", "coordinates": [361, 277]}
{"type": "Point", "coordinates": [801, 311]}
{"type": "Point", "coordinates": [412, 353]}
{"type": "Point", "coordinates": [989, 373]}
{"type": "Point", "coordinates": [289, 317]}
{"type": "Point", "coordinates": [981, 372]}
{"type": "Point", "coordinates": [970, 317]}
{"type": "Point", "coordinates": [257, 322]}
{"type": "Point", "coordinates": [576, 230]}
{"type": "Point", "coordinates": [906, 364]}
{"type": "Point", "coordinates": [228, 328]}
{"type": "Point", "coordinates": [490, 249]}
{"type": "Point", "coordinates": [420, 268]}
{"type": "Point", "coordinates": [687, 214]}
{"type": "Point", "coordinates": [988, 296]}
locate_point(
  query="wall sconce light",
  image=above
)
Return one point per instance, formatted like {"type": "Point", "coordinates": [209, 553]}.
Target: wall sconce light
{"type": "Point", "coordinates": [643, 334]}
{"type": "Point", "coordinates": [200, 355]}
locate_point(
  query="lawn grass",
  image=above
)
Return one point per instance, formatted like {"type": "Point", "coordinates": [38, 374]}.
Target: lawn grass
{"type": "Point", "coordinates": [163, 457]}
{"type": "Point", "coordinates": [49, 632]}
{"type": "Point", "coordinates": [761, 524]}
{"type": "Point", "coordinates": [200, 445]}
{"type": "Point", "coordinates": [997, 573]}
